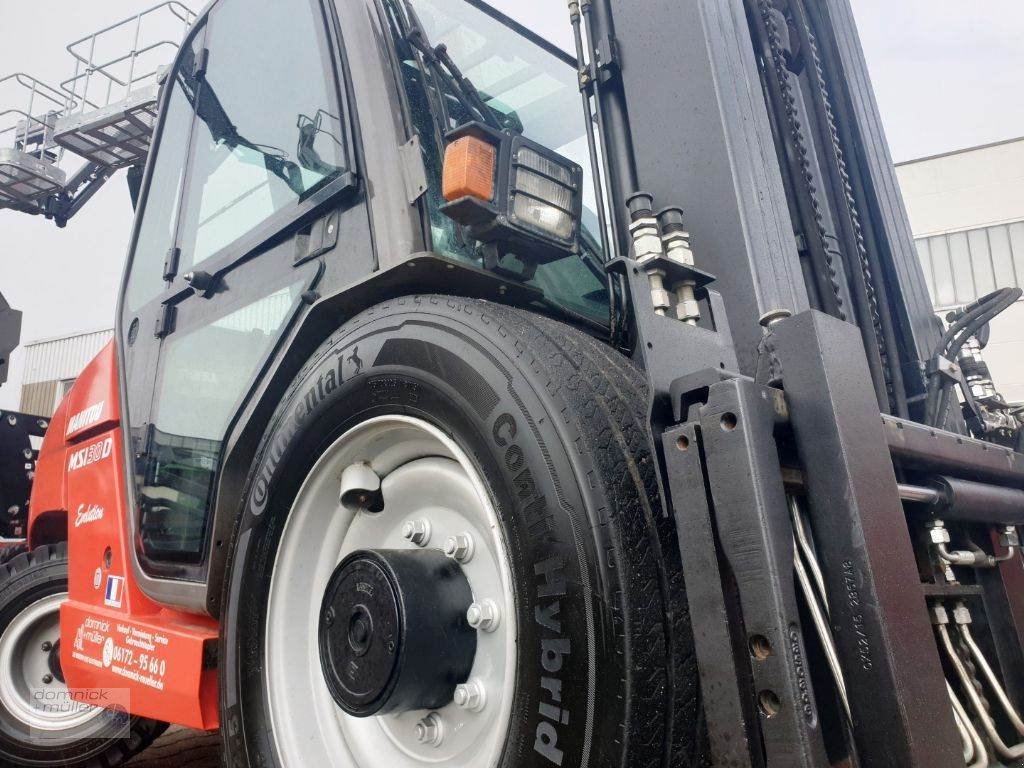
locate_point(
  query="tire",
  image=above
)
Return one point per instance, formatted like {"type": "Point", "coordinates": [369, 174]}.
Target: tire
{"type": "Point", "coordinates": [553, 422]}
{"type": "Point", "coordinates": [11, 551]}
{"type": "Point", "coordinates": [29, 581]}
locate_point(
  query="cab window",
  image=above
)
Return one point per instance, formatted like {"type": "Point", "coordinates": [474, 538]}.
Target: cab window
{"type": "Point", "coordinates": [267, 131]}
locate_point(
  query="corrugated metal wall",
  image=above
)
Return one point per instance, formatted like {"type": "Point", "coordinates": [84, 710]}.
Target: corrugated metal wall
{"type": "Point", "coordinates": [52, 361]}
{"type": "Point", "coordinates": [962, 266]}
{"type": "Point", "coordinates": [57, 359]}
{"type": "Point", "coordinates": [39, 398]}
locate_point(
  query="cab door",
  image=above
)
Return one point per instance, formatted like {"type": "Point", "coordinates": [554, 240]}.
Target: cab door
{"type": "Point", "coordinates": [252, 149]}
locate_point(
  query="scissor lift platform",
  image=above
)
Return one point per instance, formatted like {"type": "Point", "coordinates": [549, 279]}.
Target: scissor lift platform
{"type": "Point", "coordinates": [29, 161]}
{"type": "Point", "coordinates": [25, 177]}
{"type": "Point", "coordinates": [115, 86]}
{"type": "Point", "coordinates": [116, 135]}
{"type": "Point", "coordinates": [104, 113]}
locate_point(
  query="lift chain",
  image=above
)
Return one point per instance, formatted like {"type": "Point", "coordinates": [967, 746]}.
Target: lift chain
{"type": "Point", "coordinates": [850, 200]}
{"type": "Point", "coordinates": [770, 17]}
{"type": "Point", "coordinates": [773, 20]}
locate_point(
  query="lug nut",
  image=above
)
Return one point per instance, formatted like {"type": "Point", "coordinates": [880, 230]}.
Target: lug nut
{"type": "Point", "coordinates": [484, 616]}
{"type": "Point", "coordinates": [430, 730]}
{"type": "Point", "coordinates": [417, 531]}
{"type": "Point", "coordinates": [471, 696]}
{"type": "Point", "coordinates": [460, 548]}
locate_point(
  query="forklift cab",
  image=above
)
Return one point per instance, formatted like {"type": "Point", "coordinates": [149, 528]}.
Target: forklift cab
{"type": "Point", "coordinates": [391, 462]}
{"type": "Point", "coordinates": [300, 149]}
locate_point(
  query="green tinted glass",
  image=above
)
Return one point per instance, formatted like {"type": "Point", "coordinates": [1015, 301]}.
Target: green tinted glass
{"type": "Point", "coordinates": [537, 93]}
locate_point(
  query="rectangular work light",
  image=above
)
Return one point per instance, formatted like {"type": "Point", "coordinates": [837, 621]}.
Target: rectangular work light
{"type": "Point", "coordinates": [512, 192]}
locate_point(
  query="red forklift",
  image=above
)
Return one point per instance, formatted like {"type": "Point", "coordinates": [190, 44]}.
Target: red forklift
{"type": "Point", "coordinates": [476, 405]}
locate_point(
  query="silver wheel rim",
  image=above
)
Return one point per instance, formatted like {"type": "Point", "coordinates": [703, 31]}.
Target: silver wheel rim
{"type": "Point", "coordinates": [23, 664]}
{"type": "Point", "coordinates": [425, 476]}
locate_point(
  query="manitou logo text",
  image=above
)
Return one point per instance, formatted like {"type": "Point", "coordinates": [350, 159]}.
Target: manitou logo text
{"type": "Point", "coordinates": [91, 454]}
{"type": "Point", "coordinates": [86, 418]}
{"type": "Point", "coordinates": [88, 513]}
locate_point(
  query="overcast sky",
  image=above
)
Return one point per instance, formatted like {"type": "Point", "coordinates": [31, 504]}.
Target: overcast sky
{"type": "Point", "coordinates": [948, 74]}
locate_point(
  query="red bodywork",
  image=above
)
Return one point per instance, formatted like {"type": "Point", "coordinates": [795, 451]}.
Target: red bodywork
{"type": "Point", "coordinates": [112, 635]}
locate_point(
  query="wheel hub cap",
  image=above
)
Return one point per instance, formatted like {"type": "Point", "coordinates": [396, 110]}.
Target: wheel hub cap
{"type": "Point", "coordinates": [393, 634]}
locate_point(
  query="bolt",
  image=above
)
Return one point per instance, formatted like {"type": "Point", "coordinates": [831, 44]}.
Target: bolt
{"type": "Point", "coordinates": [484, 616]}
{"type": "Point", "coordinates": [27, 453]}
{"type": "Point", "coordinates": [417, 531]}
{"type": "Point", "coordinates": [938, 536]}
{"type": "Point", "coordinates": [47, 678]}
{"type": "Point", "coordinates": [13, 510]}
{"type": "Point", "coordinates": [430, 730]}
{"type": "Point", "coordinates": [12, 419]}
{"type": "Point", "coordinates": [937, 532]}
{"type": "Point", "coordinates": [47, 646]}
{"type": "Point", "coordinates": [471, 696]}
{"type": "Point", "coordinates": [460, 548]}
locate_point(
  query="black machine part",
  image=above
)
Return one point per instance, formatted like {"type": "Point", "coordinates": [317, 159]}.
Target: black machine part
{"type": "Point", "coordinates": [17, 469]}
{"type": "Point", "coordinates": [393, 631]}
{"type": "Point", "coordinates": [954, 498]}
{"type": "Point", "coordinates": [10, 335]}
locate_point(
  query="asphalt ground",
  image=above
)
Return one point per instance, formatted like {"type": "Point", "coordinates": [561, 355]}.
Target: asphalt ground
{"type": "Point", "coordinates": [181, 748]}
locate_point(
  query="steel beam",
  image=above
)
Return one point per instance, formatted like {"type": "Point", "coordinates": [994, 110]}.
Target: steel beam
{"type": "Point", "coordinates": [901, 712]}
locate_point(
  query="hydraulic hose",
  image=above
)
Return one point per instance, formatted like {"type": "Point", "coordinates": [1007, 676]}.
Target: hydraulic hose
{"type": "Point", "coordinates": [975, 316]}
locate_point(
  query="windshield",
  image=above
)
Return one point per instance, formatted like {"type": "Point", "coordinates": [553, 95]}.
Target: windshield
{"type": "Point", "coordinates": [533, 91]}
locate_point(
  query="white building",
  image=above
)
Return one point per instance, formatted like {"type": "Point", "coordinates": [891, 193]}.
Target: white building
{"type": "Point", "coordinates": [967, 212]}
{"type": "Point", "coordinates": [51, 367]}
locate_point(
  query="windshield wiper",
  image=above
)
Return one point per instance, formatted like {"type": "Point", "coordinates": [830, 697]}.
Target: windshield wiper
{"type": "Point", "coordinates": [445, 70]}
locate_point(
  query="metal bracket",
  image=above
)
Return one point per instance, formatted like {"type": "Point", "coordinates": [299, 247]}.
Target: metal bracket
{"type": "Point", "coordinates": [667, 347]}
{"type": "Point", "coordinates": [413, 172]}
{"type": "Point", "coordinates": [171, 263]}
{"type": "Point", "coordinates": [165, 320]}
{"type": "Point", "coordinates": [608, 60]}
{"type": "Point", "coordinates": [318, 238]}
{"type": "Point", "coordinates": [200, 64]}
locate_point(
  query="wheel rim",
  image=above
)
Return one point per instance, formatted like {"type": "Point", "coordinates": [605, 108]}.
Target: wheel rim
{"type": "Point", "coordinates": [425, 476]}
{"type": "Point", "coordinates": [44, 706]}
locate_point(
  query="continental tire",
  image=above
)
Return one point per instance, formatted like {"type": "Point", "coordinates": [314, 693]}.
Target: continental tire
{"type": "Point", "coordinates": [40, 725]}
{"type": "Point", "coordinates": [524, 435]}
